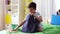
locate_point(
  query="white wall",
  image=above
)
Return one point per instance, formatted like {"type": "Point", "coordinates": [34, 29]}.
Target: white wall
{"type": "Point", "coordinates": [46, 8]}
{"type": "Point", "coordinates": [57, 3]}
{"type": "Point", "coordinates": [21, 10]}
{"type": "Point", "coordinates": [1, 14]}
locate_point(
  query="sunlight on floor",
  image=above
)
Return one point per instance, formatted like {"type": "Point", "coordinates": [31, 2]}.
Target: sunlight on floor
{"type": "Point", "coordinates": [3, 32]}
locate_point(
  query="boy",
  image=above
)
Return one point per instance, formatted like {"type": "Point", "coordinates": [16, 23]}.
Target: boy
{"type": "Point", "coordinates": [32, 22]}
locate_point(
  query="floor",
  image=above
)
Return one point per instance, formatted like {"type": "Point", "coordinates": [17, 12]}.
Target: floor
{"type": "Point", "coordinates": [3, 32]}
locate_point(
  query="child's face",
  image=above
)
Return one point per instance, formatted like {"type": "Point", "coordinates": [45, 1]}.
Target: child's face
{"type": "Point", "coordinates": [32, 10]}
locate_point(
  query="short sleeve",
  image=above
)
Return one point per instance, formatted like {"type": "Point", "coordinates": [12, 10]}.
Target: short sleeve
{"type": "Point", "coordinates": [26, 17]}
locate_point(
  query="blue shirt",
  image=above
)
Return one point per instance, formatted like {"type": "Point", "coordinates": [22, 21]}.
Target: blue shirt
{"type": "Point", "coordinates": [31, 24]}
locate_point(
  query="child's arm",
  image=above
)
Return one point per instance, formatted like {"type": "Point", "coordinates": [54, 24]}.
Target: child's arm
{"type": "Point", "coordinates": [19, 26]}
{"type": "Point", "coordinates": [39, 18]}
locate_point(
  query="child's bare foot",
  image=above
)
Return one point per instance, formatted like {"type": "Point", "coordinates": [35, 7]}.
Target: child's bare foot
{"type": "Point", "coordinates": [40, 29]}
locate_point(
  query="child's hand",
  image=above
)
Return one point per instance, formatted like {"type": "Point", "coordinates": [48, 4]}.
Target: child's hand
{"type": "Point", "coordinates": [13, 30]}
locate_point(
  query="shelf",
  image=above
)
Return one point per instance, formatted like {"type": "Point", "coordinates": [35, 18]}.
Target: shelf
{"type": "Point", "coordinates": [14, 7]}
{"type": "Point", "coordinates": [14, 1]}
{"type": "Point", "coordinates": [14, 4]}
{"type": "Point", "coordinates": [7, 5]}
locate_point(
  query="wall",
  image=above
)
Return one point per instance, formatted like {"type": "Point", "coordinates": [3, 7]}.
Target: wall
{"type": "Point", "coordinates": [57, 3]}
{"type": "Point", "coordinates": [23, 9]}
{"type": "Point", "coordinates": [46, 8]}
{"type": "Point", "coordinates": [2, 14]}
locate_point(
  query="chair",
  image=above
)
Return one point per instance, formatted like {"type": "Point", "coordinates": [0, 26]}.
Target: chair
{"type": "Point", "coordinates": [55, 20]}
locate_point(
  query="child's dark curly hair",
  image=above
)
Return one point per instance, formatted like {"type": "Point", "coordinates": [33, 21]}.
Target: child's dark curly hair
{"type": "Point", "coordinates": [32, 5]}
{"type": "Point", "coordinates": [59, 10]}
